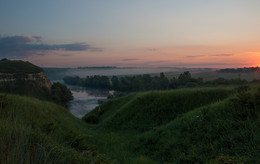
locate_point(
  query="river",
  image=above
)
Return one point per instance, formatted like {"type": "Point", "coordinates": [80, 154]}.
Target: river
{"type": "Point", "coordinates": [85, 100]}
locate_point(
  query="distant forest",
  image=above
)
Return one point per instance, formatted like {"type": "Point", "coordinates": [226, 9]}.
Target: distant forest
{"type": "Point", "coordinates": [240, 70]}
{"type": "Point", "coordinates": [148, 82]}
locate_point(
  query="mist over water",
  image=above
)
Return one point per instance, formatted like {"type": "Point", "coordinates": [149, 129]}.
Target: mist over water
{"type": "Point", "coordinates": [85, 100]}
{"type": "Point", "coordinates": [117, 71]}
{"type": "Point", "coordinates": [59, 73]}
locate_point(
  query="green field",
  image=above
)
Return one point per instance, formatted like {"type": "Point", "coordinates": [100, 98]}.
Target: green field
{"type": "Point", "coordinates": [200, 125]}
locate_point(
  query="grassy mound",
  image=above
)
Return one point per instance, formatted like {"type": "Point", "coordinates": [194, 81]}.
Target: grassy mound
{"type": "Point", "coordinates": [224, 132]}
{"type": "Point", "coordinates": [18, 66]}
{"type": "Point", "coordinates": [33, 131]}
{"type": "Point", "coordinates": [183, 126]}
{"type": "Point", "coordinates": [144, 111]}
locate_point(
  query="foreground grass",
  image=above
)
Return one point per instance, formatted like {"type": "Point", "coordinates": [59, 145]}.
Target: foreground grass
{"type": "Point", "coordinates": [218, 125]}
{"type": "Point", "coordinates": [185, 126]}
{"type": "Point", "coordinates": [222, 132]}
{"type": "Point", "coordinates": [33, 131]}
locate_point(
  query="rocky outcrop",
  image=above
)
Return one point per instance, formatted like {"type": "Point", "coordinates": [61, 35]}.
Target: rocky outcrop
{"type": "Point", "coordinates": [38, 78]}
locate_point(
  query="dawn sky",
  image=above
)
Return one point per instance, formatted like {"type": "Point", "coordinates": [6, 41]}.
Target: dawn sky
{"type": "Point", "coordinates": [183, 33]}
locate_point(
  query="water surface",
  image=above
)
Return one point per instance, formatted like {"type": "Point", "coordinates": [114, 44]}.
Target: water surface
{"type": "Point", "coordinates": [85, 100]}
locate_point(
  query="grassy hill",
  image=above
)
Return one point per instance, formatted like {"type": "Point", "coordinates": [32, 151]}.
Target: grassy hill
{"type": "Point", "coordinates": [34, 131]}
{"type": "Point", "coordinates": [220, 125]}
{"type": "Point", "coordinates": [146, 110]}
{"type": "Point", "coordinates": [18, 66]}
{"type": "Point", "coordinates": [224, 132]}
{"type": "Point", "coordinates": [186, 126]}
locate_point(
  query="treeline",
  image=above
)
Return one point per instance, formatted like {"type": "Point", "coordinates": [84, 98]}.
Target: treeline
{"type": "Point", "coordinates": [240, 70]}
{"type": "Point", "coordinates": [146, 82]}
{"type": "Point", "coordinates": [58, 93]}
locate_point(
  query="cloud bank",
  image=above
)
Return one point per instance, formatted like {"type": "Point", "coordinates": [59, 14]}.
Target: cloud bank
{"type": "Point", "coordinates": [216, 55]}
{"type": "Point", "coordinates": [23, 46]}
{"type": "Point", "coordinates": [130, 59]}
{"type": "Point", "coordinates": [193, 56]}
{"type": "Point", "coordinates": [222, 55]}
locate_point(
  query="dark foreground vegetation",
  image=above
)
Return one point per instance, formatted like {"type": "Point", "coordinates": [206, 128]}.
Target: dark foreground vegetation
{"type": "Point", "coordinates": [34, 131]}
{"type": "Point", "coordinates": [213, 125]}
{"type": "Point", "coordinates": [148, 82]}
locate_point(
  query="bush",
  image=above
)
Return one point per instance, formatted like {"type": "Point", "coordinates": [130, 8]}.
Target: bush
{"type": "Point", "coordinates": [91, 119]}
{"type": "Point", "coordinates": [257, 98]}
{"type": "Point", "coordinates": [242, 88]}
{"type": "Point", "coordinates": [3, 101]}
{"type": "Point", "coordinates": [191, 84]}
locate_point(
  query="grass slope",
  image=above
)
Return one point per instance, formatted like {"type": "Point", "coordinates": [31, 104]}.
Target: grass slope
{"type": "Point", "coordinates": [144, 111]}
{"type": "Point", "coordinates": [33, 131]}
{"type": "Point", "coordinates": [224, 132]}
{"type": "Point", "coordinates": [184, 126]}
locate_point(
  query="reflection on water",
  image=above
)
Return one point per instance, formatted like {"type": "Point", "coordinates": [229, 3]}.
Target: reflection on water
{"type": "Point", "coordinates": [85, 100]}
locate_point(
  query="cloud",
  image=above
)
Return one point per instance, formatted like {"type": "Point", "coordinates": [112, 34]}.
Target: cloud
{"type": "Point", "coordinates": [218, 55]}
{"type": "Point", "coordinates": [65, 55]}
{"type": "Point", "coordinates": [202, 64]}
{"type": "Point", "coordinates": [222, 55]}
{"type": "Point", "coordinates": [21, 46]}
{"type": "Point", "coordinates": [154, 62]}
{"type": "Point", "coordinates": [129, 59]}
{"type": "Point", "coordinates": [38, 38]}
{"type": "Point", "coordinates": [151, 49]}
{"type": "Point", "coordinates": [195, 56]}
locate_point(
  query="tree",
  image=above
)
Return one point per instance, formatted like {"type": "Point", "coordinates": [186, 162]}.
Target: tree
{"type": "Point", "coordinates": [162, 76]}
{"type": "Point", "coordinates": [184, 78]}
{"type": "Point", "coordinates": [173, 84]}
{"type": "Point", "coordinates": [60, 93]}
{"type": "Point", "coordinates": [115, 82]}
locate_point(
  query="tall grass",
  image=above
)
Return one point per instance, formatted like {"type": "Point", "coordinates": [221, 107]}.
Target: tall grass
{"type": "Point", "coordinates": [32, 131]}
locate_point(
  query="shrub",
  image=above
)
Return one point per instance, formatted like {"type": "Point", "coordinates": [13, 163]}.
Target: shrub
{"type": "Point", "coordinates": [3, 101]}
{"type": "Point", "coordinates": [257, 98]}
{"type": "Point", "coordinates": [242, 88]}
{"type": "Point", "coordinates": [92, 119]}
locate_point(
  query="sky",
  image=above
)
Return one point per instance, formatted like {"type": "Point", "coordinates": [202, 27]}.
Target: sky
{"type": "Point", "coordinates": [131, 33]}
